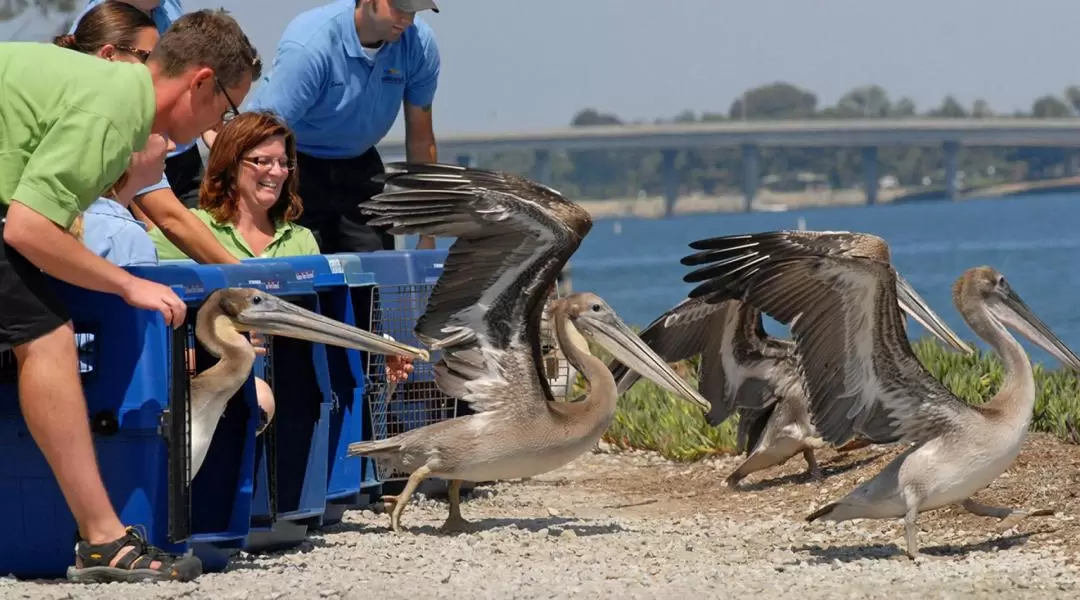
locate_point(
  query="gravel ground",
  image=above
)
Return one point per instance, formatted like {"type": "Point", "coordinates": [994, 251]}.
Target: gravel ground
{"type": "Point", "coordinates": [632, 525]}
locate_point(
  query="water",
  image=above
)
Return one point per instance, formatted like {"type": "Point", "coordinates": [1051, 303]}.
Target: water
{"type": "Point", "coordinates": [634, 263]}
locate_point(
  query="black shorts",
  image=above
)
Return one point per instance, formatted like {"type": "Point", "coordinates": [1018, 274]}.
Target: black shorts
{"type": "Point", "coordinates": [185, 172]}
{"type": "Point", "coordinates": [331, 189]}
{"type": "Point", "coordinates": [28, 306]}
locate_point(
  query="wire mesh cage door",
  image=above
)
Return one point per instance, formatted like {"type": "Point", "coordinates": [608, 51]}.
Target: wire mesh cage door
{"type": "Point", "coordinates": [401, 407]}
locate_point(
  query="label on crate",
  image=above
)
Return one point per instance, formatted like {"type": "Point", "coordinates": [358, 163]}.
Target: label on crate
{"type": "Point", "coordinates": [304, 275]}
{"type": "Point", "coordinates": [335, 266]}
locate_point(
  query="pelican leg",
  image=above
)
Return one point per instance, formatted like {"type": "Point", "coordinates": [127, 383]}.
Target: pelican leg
{"type": "Point", "coordinates": [812, 468]}
{"type": "Point", "coordinates": [1008, 517]}
{"type": "Point", "coordinates": [454, 522]}
{"type": "Point", "coordinates": [398, 502]}
{"type": "Point", "coordinates": [911, 531]}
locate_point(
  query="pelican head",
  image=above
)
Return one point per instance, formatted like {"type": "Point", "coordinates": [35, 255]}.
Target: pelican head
{"type": "Point", "coordinates": [987, 287]}
{"type": "Point", "coordinates": [914, 305]}
{"type": "Point", "coordinates": [592, 317]}
{"type": "Point", "coordinates": [254, 310]}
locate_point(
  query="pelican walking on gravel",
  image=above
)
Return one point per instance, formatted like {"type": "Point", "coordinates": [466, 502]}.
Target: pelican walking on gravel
{"type": "Point", "coordinates": [746, 370]}
{"type": "Point", "coordinates": [513, 237]}
{"type": "Point", "coordinates": [219, 326]}
{"type": "Point", "coordinates": [862, 375]}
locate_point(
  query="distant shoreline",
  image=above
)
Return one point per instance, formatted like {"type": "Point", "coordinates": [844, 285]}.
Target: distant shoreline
{"type": "Point", "coordinates": [652, 207]}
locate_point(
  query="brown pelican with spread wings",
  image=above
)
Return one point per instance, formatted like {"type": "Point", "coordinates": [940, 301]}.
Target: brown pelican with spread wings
{"type": "Point", "coordinates": [863, 377]}
{"type": "Point", "coordinates": [513, 238]}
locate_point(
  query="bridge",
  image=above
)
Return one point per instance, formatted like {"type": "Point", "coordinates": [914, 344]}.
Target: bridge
{"type": "Point", "coordinates": [750, 136]}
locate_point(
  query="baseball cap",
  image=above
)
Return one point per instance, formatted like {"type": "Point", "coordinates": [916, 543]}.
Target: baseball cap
{"type": "Point", "coordinates": [414, 5]}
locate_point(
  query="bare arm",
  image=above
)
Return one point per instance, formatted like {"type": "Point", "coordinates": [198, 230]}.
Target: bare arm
{"type": "Point", "coordinates": [420, 146]}
{"type": "Point", "coordinates": [183, 228]}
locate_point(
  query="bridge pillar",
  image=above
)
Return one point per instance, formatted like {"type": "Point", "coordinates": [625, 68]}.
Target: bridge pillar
{"type": "Point", "coordinates": [542, 167]}
{"type": "Point", "coordinates": [671, 181]}
{"type": "Point", "coordinates": [751, 174]}
{"type": "Point", "coordinates": [870, 174]}
{"type": "Point", "coordinates": [952, 152]}
{"type": "Point", "coordinates": [464, 160]}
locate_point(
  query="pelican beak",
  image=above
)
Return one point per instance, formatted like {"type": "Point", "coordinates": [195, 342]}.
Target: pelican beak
{"type": "Point", "coordinates": [275, 316]}
{"type": "Point", "coordinates": [618, 339]}
{"type": "Point", "coordinates": [1015, 313]}
{"type": "Point", "coordinates": [913, 304]}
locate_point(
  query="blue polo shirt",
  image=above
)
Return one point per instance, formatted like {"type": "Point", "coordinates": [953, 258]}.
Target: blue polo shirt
{"type": "Point", "coordinates": [165, 13]}
{"type": "Point", "coordinates": [338, 100]}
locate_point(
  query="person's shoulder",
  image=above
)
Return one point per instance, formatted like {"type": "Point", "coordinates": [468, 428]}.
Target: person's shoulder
{"type": "Point", "coordinates": [314, 26]}
{"type": "Point", "coordinates": [418, 44]}
{"type": "Point", "coordinates": [422, 34]}
{"type": "Point", "coordinates": [304, 238]}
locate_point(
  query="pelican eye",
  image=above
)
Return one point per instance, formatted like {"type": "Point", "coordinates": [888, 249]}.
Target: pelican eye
{"type": "Point", "coordinates": [596, 308]}
{"type": "Point", "coordinates": [256, 299]}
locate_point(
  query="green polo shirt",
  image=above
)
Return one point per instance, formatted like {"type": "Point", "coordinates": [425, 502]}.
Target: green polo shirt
{"type": "Point", "coordinates": [290, 239]}
{"type": "Point", "coordinates": [68, 125]}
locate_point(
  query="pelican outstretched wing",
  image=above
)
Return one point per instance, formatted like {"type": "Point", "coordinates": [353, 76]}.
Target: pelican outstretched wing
{"type": "Point", "coordinates": [513, 238]}
{"type": "Point", "coordinates": [784, 244]}
{"type": "Point", "coordinates": [860, 371]}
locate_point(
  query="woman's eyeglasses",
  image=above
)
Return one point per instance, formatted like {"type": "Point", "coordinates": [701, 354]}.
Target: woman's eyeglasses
{"type": "Point", "coordinates": [139, 53]}
{"type": "Point", "coordinates": [267, 162]}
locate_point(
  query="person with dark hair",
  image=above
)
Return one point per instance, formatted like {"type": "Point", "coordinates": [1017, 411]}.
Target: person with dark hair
{"type": "Point", "coordinates": [341, 75]}
{"type": "Point", "coordinates": [117, 31]}
{"type": "Point", "coordinates": [163, 203]}
{"type": "Point", "coordinates": [67, 137]}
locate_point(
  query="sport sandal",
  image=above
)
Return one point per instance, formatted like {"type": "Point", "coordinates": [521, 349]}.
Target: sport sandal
{"type": "Point", "coordinates": [92, 562]}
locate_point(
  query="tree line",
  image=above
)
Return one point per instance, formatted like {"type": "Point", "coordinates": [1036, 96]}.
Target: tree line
{"type": "Point", "coordinates": [630, 173]}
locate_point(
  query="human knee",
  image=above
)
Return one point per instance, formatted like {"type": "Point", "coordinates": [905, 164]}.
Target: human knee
{"type": "Point", "coordinates": [264, 395]}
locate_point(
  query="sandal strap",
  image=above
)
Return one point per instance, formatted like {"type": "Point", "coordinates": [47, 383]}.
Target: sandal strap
{"type": "Point", "coordinates": [141, 555]}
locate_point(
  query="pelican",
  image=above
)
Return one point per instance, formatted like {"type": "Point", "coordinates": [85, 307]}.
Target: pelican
{"type": "Point", "coordinates": [513, 237]}
{"type": "Point", "coordinates": [745, 369]}
{"type": "Point", "coordinates": [862, 375]}
{"type": "Point", "coordinates": [219, 325]}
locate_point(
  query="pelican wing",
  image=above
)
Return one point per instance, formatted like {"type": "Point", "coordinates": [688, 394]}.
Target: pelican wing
{"type": "Point", "coordinates": [513, 238]}
{"type": "Point", "coordinates": [786, 244]}
{"type": "Point", "coordinates": [861, 373]}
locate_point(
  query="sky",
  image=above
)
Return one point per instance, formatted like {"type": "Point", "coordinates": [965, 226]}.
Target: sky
{"type": "Point", "coordinates": [511, 65]}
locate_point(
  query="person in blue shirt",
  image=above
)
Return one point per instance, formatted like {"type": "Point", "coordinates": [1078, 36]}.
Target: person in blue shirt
{"type": "Point", "coordinates": [165, 204]}
{"type": "Point", "coordinates": [340, 77]}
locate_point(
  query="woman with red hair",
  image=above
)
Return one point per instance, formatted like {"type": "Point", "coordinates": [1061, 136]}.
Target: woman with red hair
{"type": "Point", "coordinates": [248, 196]}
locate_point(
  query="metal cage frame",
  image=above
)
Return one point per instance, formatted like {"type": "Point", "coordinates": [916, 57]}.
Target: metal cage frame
{"type": "Point", "coordinates": [397, 408]}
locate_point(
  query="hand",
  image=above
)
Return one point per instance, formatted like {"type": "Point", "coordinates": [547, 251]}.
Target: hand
{"type": "Point", "coordinates": [147, 166]}
{"type": "Point", "coordinates": [258, 342]}
{"type": "Point", "coordinates": [398, 368]}
{"type": "Point", "coordinates": [149, 295]}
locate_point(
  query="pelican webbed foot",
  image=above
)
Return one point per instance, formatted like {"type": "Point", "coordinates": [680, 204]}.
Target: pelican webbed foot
{"type": "Point", "coordinates": [396, 504]}
{"type": "Point", "coordinates": [1008, 517]}
{"type": "Point", "coordinates": [854, 444]}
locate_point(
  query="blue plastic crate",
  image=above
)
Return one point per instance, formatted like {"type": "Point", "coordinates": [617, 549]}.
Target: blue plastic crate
{"type": "Point", "coordinates": [292, 454]}
{"type": "Point", "coordinates": [128, 382]}
{"type": "Point", "coordinates": [333, 278]}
